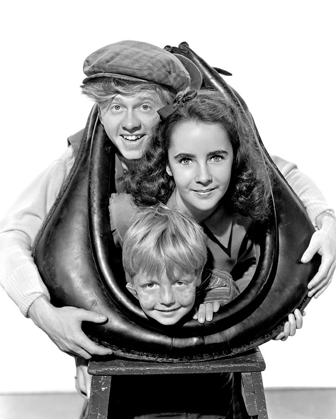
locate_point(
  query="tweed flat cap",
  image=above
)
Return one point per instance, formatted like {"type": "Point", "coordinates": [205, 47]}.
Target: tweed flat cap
{"type": "Point", "coordinates": [142, 62]}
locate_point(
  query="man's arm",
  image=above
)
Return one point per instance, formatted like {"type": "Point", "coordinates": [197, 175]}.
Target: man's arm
{"type": "Point", "coordinates": [322, 216]}
{"type": "Point", "coordinates": [19, 275]}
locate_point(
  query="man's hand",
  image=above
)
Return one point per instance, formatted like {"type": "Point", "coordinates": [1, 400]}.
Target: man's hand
{"type": "Point", "coordinates": [205, 311]}
{"type": "Point", "coordinates": [295, 321]}
{"type": "Point", "coordinates": [64, 327]}
{"type": "Point", "coordinates": [322, 242]}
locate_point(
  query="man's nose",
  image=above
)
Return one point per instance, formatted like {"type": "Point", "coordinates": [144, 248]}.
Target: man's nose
{"type": "Point", "coordinates": [203, 174]}
{"type": "Point", "coordinates": [167, 296]}
{"type": "Point", "coordinates": [131, 122]}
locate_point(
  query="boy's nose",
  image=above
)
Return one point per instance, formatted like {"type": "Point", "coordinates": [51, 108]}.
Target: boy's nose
{"type": "Point", "coordinates": [167, 296]}
{"type": "Point", "coordinates": [131, 122]}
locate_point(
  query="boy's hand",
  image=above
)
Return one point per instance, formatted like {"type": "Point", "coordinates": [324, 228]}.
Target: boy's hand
{"type": "Point", "coordinates": [205, 311]}
{"type": "Point", "coordinates": [295, 321]}
{"type": "Point", "coordinates": [64, 327]}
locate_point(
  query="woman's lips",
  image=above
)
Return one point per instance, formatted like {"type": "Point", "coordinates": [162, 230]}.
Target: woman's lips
{"type": "Point", "coordinates": [204, 192]}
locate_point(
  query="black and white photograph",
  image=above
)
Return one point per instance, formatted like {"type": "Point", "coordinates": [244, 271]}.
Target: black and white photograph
{"type": "Point", "coordinates": [167, 218]}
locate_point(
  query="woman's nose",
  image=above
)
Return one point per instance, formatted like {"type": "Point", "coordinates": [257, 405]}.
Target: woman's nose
{"type": "Point", "coordinates": [131, 122]}
{"type": "Point", "coordinates": [203, 174]}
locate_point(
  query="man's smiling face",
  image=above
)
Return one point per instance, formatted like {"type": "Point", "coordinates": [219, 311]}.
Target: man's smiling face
{"type": "Point", "coordinates": [129, 121]}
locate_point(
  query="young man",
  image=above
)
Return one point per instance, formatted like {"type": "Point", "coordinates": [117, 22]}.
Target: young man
{"type": "Point", "coordinates": [129, 81]}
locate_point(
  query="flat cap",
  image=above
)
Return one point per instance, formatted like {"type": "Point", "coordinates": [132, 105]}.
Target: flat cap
{"type": "Point", "coordinates": [142, 62]}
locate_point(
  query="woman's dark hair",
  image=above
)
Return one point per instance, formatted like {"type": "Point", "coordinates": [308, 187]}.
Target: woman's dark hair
{"type": "Point", "coordinates": [250, 186]}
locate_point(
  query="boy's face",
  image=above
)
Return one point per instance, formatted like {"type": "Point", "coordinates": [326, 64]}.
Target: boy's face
{"type": "Point", "coordinates": [165, 300]}
{"type": "Point", "coordinates": [130, 120]}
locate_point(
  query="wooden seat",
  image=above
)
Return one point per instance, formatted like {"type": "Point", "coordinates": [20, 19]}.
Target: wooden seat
{"type": "Point", "coordinates": [250, 364]}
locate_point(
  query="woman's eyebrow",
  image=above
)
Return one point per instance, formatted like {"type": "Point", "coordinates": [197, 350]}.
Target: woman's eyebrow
{"type": "Point", "coordinates": [180, 155]}
{"type": "Point", "coordinates": [190, 155]}
{"type": "Point", "coordinates": [220, 151]}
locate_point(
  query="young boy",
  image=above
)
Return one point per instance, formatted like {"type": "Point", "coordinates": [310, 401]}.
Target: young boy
{"type": "Point", "coordinates": [164, 254]}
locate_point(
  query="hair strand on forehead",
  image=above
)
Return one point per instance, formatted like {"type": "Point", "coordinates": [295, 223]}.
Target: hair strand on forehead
{"type": "Point", "coordinates": [103, 90]}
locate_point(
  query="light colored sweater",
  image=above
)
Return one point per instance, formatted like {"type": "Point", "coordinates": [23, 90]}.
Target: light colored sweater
{"type": "Point", "coordinates": [18, 273]}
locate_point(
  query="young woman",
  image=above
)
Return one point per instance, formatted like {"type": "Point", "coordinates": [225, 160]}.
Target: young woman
{"type": "Point", "coordinates": [193, 129]}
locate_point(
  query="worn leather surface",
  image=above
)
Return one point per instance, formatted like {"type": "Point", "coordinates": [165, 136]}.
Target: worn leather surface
{"type": "Point", "coordinates": [81, 266]}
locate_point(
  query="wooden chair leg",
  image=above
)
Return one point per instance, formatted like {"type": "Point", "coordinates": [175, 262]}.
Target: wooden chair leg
{"type": "Point", "coordinates": [249, 394]}
{"type": "Point", "coordinates": [100, 396]}
{"type": "Point", "coordinates": [254, 395]}
{"type": "Point", "coordinates": [261, 400]}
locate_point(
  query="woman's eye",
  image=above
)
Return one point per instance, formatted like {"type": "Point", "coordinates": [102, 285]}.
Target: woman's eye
{"type": "Point", "coordinates": [179, 283]}
{"type": "Point", "coordinates": [217, 158]}
{"type": "Point", "coordinates": [185, 161]}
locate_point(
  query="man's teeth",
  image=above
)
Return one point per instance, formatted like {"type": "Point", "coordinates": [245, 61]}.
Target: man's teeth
{"type": "Point", "coordinates": [132, 137]}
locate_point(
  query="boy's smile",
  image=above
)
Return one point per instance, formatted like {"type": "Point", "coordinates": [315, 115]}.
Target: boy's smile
{"type": "Point", "coordinates": [130, 120]}
{"type": "Point", "coordinates": [163, 299]}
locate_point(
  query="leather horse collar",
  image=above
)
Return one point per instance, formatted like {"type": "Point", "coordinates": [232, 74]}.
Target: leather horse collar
{"type": "Point", "coordinates": [81, 266]}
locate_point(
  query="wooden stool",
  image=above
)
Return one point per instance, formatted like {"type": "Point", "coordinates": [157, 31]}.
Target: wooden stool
{"type": "Point", "coordinates": [250, 364]}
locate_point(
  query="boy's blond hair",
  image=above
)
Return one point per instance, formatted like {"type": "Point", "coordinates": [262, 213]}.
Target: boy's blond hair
{"type": "Point", "coordinates": [164, 240]}
{"type": "Point", "coordinates": [103, 91]}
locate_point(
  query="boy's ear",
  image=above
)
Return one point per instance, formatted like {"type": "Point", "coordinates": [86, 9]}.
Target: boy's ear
{"type": "Point", "coordinates": [199, 280]}
{"type": "Point", "coordinates": [168, 170]}
{"type": "Point", "coordinates": [131, 289]}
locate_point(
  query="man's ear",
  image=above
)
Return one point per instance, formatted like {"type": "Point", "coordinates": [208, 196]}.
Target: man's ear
{"type": "Point", "coordinates": [131, 289]}
{"type": "Point", "coordinates": [168, 170]}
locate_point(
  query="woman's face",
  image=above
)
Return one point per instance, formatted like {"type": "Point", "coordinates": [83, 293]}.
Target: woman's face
{"type": "Point", "coordinates": [200, 157]}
